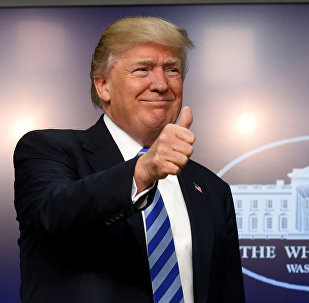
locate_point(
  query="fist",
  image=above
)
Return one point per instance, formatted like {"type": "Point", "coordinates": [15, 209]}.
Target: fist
{"type": "Point", "coordinates": [168, 154]}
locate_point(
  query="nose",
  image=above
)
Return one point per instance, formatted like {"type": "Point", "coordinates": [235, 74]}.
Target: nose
{"type": "Point", "coordinates": [158, 81]}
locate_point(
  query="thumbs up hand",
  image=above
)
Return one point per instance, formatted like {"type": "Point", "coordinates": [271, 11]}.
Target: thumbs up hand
{"type": "Point", "coordinates": [168, 154]}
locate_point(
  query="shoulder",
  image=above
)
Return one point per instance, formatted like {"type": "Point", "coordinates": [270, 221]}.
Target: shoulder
{"type": "Point", "coordinates": [49, 143]}
{"type": "Point", "coordinates": [48, 134]}
{"type": "Point", "coordinates": [47, 137]}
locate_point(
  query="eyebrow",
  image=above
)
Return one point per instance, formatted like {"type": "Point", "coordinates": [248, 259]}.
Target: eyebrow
{"type": "Point", "coordinates": [168, 61]}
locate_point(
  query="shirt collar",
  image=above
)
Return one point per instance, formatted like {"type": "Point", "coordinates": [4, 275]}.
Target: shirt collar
{"type": "Point", "coordinates": [126, 144]}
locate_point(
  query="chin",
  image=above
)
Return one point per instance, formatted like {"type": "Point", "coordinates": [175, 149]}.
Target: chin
{"type": "Point", "coordinates": [157, 124]}
{"type": "Point", "coordinates": [160, 118]}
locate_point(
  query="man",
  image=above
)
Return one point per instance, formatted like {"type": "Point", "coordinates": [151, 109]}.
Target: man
{"type": "Point", "coordinates": [84, 199]}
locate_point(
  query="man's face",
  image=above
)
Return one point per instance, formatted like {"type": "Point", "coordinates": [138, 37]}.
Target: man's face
{"type": "Point", "coordinates": [143, 92]}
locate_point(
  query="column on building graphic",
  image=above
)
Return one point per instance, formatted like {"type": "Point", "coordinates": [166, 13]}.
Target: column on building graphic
{"type": "Point", "coordinates": [278, 210]}
{"type": "Point", "coordinates": [300, 181]}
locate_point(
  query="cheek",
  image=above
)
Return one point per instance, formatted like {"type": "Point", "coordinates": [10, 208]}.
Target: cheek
{"type": "Point", "coordinates": [135, 86]}
{"type": "Point", "coordinates": [139, 87]}
{"type": "Point", "coordinates": [176, 87]}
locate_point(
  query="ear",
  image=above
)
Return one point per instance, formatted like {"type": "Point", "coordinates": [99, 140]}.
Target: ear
{"type": "Point", "coordinates": [102, 88]}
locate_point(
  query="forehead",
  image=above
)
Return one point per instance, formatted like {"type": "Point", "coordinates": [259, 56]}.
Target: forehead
{"type": "Point", "coordinates": [150, 53]}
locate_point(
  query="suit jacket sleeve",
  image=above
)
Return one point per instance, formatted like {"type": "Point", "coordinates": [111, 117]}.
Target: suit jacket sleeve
{"type": "Point", "coordinates": [54, 197]}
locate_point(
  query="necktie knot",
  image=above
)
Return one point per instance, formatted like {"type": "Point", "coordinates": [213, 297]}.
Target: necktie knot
{"type": "Point", "coordinates": [142, 151]}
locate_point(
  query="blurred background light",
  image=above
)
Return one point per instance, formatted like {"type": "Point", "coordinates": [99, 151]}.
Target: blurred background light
{"type": "Point", "coordinates": [246, 124]}
{"type": "Point", "coordinates": [22, 126]}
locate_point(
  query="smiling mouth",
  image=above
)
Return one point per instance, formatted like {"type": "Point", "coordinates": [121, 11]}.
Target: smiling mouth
{"type": "Point", "coordinates": [158, 100]}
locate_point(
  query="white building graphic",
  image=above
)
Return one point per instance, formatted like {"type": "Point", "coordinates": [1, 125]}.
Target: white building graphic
{"type": "Point", "coordinates": [274, 211]}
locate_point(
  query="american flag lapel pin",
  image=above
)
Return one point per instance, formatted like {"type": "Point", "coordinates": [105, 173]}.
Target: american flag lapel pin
{"type": "Point", "coordinates": [198, 188]}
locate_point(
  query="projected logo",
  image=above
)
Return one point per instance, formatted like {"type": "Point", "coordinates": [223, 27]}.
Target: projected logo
{"type": "Point", "coordinates": [273, 225]}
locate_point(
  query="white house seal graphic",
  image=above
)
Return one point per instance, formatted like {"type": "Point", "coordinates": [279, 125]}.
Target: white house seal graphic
{"type": "Point", "coordinates": [274, 211]}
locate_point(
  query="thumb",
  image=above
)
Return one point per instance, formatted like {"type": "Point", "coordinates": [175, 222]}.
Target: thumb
{"type": "Point", "coordinates": [186, 117]}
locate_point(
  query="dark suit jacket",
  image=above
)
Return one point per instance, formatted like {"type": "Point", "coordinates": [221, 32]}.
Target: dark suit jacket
{"type": "Point", "coordinates": [82, 240]}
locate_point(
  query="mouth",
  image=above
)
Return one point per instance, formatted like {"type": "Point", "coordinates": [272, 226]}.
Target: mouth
{"type": "Point", "coordinates": [157, 100]}
{"type": "Point", "coordinates": [157, 103]}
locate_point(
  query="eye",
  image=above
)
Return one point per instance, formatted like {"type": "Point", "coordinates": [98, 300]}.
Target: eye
{"type": "Point", "coordinates": [141, 71]}
{"type": "Point", "coordinates": [173, 71]}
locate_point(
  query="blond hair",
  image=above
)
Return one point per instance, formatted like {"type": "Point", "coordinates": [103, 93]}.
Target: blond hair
{"type": "Point", "coordinates": [129, 32]}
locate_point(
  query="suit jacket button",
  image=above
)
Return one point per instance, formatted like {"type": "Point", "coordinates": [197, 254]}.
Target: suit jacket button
{"type": "Point", "coordinates": [108, 222]}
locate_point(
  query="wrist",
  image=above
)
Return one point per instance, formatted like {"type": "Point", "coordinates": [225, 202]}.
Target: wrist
{"type": "Point", "coordinates": [141, 176]}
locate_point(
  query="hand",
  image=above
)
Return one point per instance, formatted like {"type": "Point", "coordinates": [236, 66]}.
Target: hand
{"type": "Point", "coordinates": [168, 154]}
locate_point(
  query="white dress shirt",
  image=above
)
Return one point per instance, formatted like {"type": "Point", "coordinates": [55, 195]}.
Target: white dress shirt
{"type": "Point", "coordinates": [175, 206]}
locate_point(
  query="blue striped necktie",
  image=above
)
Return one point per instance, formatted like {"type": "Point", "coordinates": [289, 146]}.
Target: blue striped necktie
{"type": "Point", "coordinates": [164, 271]}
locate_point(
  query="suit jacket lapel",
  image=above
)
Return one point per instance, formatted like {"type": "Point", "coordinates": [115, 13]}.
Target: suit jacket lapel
{"type": "Point", "coordinates": [201, 229]}
{"type": "Point", "coordinates": [102, 153]}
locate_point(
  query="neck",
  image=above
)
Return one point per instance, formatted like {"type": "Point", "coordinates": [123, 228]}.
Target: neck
{"type": "Point", "coordinates": [146, 139]}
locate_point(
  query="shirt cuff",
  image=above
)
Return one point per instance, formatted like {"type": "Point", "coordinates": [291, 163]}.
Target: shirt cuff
{"type": "Point", "coordinates": [140, 200]}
